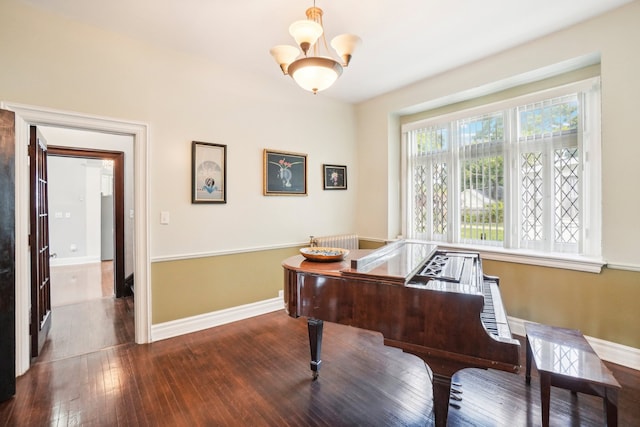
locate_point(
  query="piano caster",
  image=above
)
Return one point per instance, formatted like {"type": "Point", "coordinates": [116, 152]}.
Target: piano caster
{"type": "Point", "coordinates": [315, 370]}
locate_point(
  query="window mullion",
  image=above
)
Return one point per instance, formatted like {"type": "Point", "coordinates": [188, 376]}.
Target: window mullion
{"type": "Point", "coordinates": [511, 180]}
{"type": "Point", "coordinates": [453, 184]}
{"type": "Point", "coordinates": [406, 184]}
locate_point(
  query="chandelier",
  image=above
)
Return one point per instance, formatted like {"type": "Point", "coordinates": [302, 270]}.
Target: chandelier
{"type": "Point", "coordinates": [314, 72]}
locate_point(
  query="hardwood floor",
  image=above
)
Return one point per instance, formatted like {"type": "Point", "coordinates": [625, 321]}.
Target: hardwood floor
{"type": "Point", "coordinates": [85, 315]}
{"type": "Point", "coordinates": [255, 372]}
{"type": "Point", "coordinates": [71, 284]}
{"type": "Point", "coordinates": [89, 326]}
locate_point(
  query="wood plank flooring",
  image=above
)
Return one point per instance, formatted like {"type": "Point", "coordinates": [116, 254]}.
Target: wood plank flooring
{"type": "Point", "coordinates": [85, 315]}
{"type": "Point", "coordinates": [89, 326]}
{"type": "Point", "coordinates": [77, 283]}
{"type": "Point", "coordinates": [255, 372]}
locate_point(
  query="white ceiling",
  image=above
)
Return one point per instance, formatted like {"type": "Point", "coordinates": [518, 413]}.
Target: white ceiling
{"type": "Point", "coordinates": [403, 40]}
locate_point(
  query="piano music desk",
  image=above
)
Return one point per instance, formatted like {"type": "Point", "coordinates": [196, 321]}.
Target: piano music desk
{"type": "Point", "coordinates": [565, 359]}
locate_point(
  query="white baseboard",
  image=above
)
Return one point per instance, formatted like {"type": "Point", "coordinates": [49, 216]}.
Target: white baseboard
{"type": "Point", "coordinates": [56, 262]}
{"type": "Point", "coordinates": [606, 350]}
{"type": "Point", "coordinates": [188, 325]}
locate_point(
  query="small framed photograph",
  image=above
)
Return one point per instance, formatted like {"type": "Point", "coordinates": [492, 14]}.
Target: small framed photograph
{"type": "Point", "coordinates": [335, 177]}
{"type": "Point", "coordinates": [284, 173]}
{"type": "Point", "coordinates": [208, 173]}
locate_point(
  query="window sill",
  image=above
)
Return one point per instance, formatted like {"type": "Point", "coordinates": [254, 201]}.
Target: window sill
{"type": "Point", "coordinates": [553, 260]}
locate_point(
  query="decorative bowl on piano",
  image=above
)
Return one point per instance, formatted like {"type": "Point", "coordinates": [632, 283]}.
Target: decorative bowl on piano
{"type": "Point", "coordinates": [323, 254]}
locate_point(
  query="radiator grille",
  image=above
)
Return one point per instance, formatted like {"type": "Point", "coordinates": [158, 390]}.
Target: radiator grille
{"type": "Point", "coordinates": [344, 241]}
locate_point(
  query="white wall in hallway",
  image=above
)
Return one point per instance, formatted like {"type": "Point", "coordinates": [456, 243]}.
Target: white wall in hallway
{"type": "Point", "coordinates": [102, 141]}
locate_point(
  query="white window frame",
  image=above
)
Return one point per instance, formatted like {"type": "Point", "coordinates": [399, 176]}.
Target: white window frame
{"type": "Point", "coordinates": [589, 142]}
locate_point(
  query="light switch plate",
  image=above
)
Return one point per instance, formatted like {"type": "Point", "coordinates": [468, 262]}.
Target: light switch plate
{"type": "Point", "coordinates": [164, 217]}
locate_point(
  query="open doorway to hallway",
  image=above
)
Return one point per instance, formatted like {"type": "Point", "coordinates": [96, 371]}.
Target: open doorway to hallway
{"type": "Point", "coordinates": [27, 115]}
{"type": "Point", "coordinates": [88, 195]}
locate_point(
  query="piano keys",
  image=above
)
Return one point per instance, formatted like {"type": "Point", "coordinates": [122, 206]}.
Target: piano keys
{"type": "Point", "coordinates": [437, 305]}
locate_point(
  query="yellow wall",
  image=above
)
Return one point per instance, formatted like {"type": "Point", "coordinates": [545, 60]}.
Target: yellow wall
{"type": "Point", "coordinates": [369, 244]}
{"type": "Point", "coordinates": [186, 288]}
{"type": "Point", "coordinates": [605, 305]}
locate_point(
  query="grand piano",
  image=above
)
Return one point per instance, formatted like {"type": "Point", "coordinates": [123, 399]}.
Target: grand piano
{"type": "Point", "coordinates": [435, 304]}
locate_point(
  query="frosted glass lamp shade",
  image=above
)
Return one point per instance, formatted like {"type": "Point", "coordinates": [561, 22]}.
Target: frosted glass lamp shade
{"type": "Point", "coordinates": [305, 33]}
{"type": "Point", "coordinates": [284, 55]}
{"type": "Point", "coordinates": [315, 73]}
{"type": "Point", "coordinates": [344, 45]}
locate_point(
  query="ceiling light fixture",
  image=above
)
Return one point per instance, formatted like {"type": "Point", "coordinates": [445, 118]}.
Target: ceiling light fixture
{"type": "Point", "coordinates": [314, 72]}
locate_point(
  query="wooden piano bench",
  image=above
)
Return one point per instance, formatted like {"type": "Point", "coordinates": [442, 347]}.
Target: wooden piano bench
{"type": "Point", "coordinates": [564, 359]}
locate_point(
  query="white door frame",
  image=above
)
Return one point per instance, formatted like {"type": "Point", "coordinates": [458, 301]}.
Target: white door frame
{"type": "Point", "coordinates": [27, 115]}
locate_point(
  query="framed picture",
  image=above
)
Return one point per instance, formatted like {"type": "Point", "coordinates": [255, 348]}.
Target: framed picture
{"type": "Point", "coordinates": [285, 173]}
{"type": "Point", "coordinates": [335, 177]}
{"type": "Point", "coordinates": [208, 173]}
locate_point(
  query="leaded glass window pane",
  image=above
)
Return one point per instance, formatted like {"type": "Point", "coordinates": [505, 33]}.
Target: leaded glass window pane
{"type": "Point", "coordinates": [532, 197]}
{"type": "Point", "coordinates": [567, 210]}
{"type": "Point", "coordinates": [420, 199]}
{"type": "Point", "coordinates": [440, 188]}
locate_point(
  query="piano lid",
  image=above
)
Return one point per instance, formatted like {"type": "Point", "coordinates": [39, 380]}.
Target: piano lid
{"type": "Point", "coordinates": [396, 262]}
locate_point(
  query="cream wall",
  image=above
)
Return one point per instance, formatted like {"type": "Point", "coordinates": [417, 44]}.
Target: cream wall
{"type": "Point", "coordinates": [614, 36]}
{"type": "Point", "coordinates": [52, 62]}
{"type": "Point", "coordinates": [605, 305]}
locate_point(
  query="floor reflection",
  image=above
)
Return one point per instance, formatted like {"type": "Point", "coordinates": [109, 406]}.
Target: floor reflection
{"type": "Point", "coordinates": [71, 284]}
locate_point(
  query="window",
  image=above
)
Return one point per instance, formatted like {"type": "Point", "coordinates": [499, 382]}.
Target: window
{"type": "Point", "coordinates": [521, 174]}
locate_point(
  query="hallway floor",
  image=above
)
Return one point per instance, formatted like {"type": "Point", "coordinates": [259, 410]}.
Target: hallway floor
{"type": "Point", "coordinates": [81, 282]}
{"type": "Point", "coordinates": [85, 315]}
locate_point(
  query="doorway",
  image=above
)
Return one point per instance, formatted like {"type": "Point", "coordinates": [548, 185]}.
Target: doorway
{"type": "Point", "coordinates": [86, 203]}
{"type": "Point", "coordinates": [30, 115]}
{"type": "Point", "coordinates": [87, 218]}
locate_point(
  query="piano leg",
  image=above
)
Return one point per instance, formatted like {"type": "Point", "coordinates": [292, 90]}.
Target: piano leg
{"type": "Point", "coordinates": [315, 343]}
{"type": "Point", "coordinates": [441, 393]}
{"type": "Point", "coordinates": [527, 376]}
